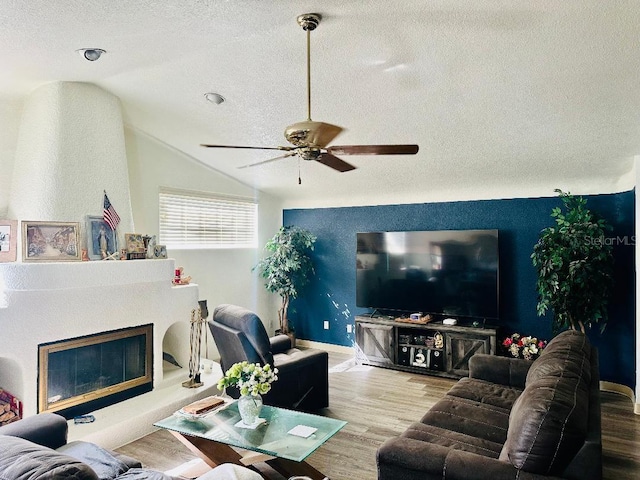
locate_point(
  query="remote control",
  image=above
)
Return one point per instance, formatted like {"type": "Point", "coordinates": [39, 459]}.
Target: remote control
{"type": "Point", "coordinates": [84, 419]}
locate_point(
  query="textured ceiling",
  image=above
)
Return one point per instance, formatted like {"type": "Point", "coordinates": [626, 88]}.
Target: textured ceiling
{"type": "Point", "coordinates": [503, 98]}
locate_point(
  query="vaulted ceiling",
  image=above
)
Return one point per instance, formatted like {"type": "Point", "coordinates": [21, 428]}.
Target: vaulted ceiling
{"type": "Point", "coordinates": [503, 98]}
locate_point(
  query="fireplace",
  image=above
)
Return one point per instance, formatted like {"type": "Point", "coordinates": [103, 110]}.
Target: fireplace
{"type": "Point", "coordinates": [82, 374]}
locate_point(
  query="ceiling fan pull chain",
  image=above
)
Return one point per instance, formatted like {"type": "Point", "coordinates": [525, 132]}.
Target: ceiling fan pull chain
{"type": "Point", "coordinates": [299, 178]}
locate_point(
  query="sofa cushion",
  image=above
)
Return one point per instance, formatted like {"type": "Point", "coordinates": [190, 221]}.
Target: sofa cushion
{"type": "Point", "coordinates": [452, 439]}
{"type": "Point", "coordinates": [102, 462]}
{"type": "Point", "coordinates": [143, 474]}
{"type": "Point", "coordinates": [486, 393]}
{"type": "Point", "coordinates": [565, 356]}
{"type": "Point", "coordinates": [548, 422]}
{"type": "Point", "coordinates": [21, 459]}
{"type": "Point", "coordinates": [469, 418]}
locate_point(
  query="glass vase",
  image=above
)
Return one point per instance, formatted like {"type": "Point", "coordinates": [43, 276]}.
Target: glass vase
{"type": "Point", "coordinates": [249, 407]}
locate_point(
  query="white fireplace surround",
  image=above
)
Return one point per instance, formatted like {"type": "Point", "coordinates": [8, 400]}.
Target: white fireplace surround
{"type": "Point", "coordinates": [47, 302]}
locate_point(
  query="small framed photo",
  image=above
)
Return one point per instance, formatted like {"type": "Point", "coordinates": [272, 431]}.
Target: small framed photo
{"type": "Point", "coordinates": [101, 240]}
{"type": "Point", "coordinates": [50, 241]}
{"type": "Point", "coordinates": [135, 243]}
{"type": "Point", "coordinates": [8, 240]}
{"type": "Point", "coordinates": [160, 251]}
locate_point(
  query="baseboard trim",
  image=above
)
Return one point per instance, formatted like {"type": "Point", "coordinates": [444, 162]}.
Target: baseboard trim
{"type": "Point", "coordinates": [329, 347]}
{"type": "Point", "coordinates": [622, 390]}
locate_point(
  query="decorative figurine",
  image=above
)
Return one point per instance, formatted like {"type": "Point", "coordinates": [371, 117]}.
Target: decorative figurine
{"type": "Point", "coordinates": [179, 278]}
{"type": "Point", "coordinates": [151, 246]}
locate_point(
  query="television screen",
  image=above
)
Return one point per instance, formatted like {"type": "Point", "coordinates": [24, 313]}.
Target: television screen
{"type": "Point", "coordinates": [448, 272]}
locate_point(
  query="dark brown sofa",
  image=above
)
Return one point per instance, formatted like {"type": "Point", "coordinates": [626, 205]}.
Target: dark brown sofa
{"type": "Point", "coordinates": [510, 419]}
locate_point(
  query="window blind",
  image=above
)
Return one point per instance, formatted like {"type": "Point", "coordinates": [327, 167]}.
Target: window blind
{"type": "Point", "coordinates": [196, 220]}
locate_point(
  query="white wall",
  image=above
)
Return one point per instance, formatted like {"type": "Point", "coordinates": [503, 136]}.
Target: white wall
{"type": "Point", "coordinates": [70, 148]}
{"type": "Point", "coordinates": [10, 110]}
{"type": "Point", "coordinates": [223, 276]}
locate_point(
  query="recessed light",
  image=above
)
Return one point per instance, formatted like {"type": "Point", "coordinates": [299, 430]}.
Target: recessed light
{"type": "Point", "coordinates": [214, 98]}
{"type": "Point", "coordinates": [91, 54]}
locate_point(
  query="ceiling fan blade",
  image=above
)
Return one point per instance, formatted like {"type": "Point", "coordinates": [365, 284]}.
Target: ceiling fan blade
{"type": "Point", "coordinates": [243, 146]}
{"type": "Point", "coordinates": [310, 133]}
{"type": "Point", "coordinates": [334, 162]}
{"type": "Point", "coordinates": [269, 160]}
{"type": "Point", "coordinates": [374, 149]}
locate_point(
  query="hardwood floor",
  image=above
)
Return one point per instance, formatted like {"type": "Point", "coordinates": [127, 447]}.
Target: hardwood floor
{"type": "Point", "coordinates": [380, 403]}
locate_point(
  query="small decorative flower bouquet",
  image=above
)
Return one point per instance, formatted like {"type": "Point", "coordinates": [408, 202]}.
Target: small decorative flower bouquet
{"type": "Point", "coordinates": [250, 378]}
{"type": "Point", "coordinates": [528, 348]}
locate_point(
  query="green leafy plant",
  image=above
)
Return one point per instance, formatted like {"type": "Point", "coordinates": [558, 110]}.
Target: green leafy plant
{"type": "Point", "coordinates": [250, 378]}
{"type": "Point", "coordinates": [287, 270]}
{"type": "Point", "coordinates": [575, 266]}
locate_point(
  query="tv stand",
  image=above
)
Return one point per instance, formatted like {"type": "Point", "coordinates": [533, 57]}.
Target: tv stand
{"type": "Point", "coordinates": [432, 348]}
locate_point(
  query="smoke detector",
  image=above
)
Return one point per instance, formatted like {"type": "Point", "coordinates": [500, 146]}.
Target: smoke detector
{"type": "Point", "coordinates": [91, 54]}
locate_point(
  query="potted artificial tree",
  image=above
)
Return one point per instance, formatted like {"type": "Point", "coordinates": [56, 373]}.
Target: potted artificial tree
{"type": "Point", "coordinates": [575, 267]}
{"type": "Point", "coordinates": [287, 270]}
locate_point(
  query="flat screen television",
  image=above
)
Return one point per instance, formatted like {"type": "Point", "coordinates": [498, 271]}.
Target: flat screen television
{"type": "Point", "coordinates": [449, 272]}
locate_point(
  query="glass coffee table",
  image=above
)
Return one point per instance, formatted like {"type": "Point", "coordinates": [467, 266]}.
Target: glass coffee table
{"type": "Point", "coordinates": [212, 437]}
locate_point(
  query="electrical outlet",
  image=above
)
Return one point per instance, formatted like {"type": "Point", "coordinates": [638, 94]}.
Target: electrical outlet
{"type": "Point", "coordinates": [349, 328]}
{"type": "Point", "coordinates": [326, 324]}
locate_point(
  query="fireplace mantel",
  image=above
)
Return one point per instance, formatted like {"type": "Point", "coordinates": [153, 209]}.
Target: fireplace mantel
{"type": "Point", "coordinates": [44, 302]}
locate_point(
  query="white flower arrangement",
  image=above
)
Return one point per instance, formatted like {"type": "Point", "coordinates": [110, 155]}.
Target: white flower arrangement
{"type": "Point", "coordinates": [250, 378]}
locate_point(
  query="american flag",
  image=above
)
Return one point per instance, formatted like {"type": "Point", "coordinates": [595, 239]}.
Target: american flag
{"type": "Point", "coordinates": [109, 214]}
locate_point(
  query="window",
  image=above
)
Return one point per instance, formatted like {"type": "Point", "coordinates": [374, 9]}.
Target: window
{"type": "Point", "coordinates": [207, 220]}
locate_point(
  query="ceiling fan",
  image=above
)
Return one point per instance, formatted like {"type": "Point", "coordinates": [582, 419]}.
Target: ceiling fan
{"type": "Point", "coordinates": [309, 139]}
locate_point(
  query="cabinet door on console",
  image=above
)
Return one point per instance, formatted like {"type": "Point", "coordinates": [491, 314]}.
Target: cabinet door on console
{"type": "Point", "coordinates": [460, 348]}
{"type": "Point", "coordinates": [375, 344]}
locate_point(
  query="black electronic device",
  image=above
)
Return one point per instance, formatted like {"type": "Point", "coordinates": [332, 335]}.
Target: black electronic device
{"type": "Point", "coordinates": [448, 272]}
{"type": "Point", "coordinates": [427, 358]}
{"type": "Point", "coordinates": [436, 360]}
{"type": "Point", "coordinates": [404, 355]}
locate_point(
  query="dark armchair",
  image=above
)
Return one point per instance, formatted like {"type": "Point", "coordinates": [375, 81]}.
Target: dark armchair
{"type": "Point", "coordinates": [303, 378]}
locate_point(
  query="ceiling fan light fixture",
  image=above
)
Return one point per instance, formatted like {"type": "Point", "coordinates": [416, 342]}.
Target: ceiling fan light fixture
{"type": "Point", "coordinates": [91, 54]}
{"type": "Point", "coordinates": [214, 98]}
{"type": "Point", "coordinates": [309, 21]}
{"type": "Point", "coordinates": [310, 139]}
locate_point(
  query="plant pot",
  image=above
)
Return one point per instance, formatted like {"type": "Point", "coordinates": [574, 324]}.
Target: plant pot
{"type": "Point", "coordinates": [292, 336]}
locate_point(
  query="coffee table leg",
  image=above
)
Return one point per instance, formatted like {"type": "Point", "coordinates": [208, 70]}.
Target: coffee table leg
{"type": "Point", "coordinates": [289, 468]}
{"type": "Point", "coordinates": [213, 453]}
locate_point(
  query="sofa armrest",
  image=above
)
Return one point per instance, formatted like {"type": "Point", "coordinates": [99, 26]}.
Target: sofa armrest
{"type": "Point", "coordinates": [280, 343]}
{"type": "Point", "coordinates": [511, 372]}
{"type": "Point", "coordinates": [295, 359]}
{"type": "Point", "coordinates": [47, 429]}
{"type": "Point", "coordinates": [408, 458]}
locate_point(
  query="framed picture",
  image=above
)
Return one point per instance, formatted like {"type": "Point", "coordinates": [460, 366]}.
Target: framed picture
{"type": "Point", "coordinates": [160, 251]}
{"type": "Point", "coordinates": [8, 240]}
{"type": "Point", "coordinates": [50, 241]}
{"type": "Point", "coordinates": [135, 243]}
{"type": "Point", "coordinates": [100, 238]}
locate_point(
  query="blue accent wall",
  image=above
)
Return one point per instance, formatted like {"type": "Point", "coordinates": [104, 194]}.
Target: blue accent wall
{"type": "Point", "coordinates": [331, 294]}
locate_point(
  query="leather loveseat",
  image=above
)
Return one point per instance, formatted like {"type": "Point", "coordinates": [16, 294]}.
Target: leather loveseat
{"type": "Point", "coordinates": [510, 419]}
{"type": "Point", "coordinates": [36, 448]}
